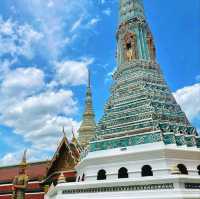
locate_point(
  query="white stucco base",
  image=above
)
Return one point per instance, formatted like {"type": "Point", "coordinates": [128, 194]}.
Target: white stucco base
{"type": "Point", "coordinates": [162, 185]}
{"type": "Point", "coordinates": [62, 191]}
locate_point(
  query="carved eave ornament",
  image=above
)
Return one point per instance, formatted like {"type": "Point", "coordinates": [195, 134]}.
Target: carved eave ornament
{"type": "Point", "coordinates": [65, 158]}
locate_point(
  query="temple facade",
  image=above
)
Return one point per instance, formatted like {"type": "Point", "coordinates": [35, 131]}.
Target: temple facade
{"type": "Point", "coordinates": [33, 180]}
{"type": "Point", "coordinates": [144, 146]}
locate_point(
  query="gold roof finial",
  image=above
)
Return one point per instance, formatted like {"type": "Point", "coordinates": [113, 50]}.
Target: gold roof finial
{"type": "Point", "coordinates": [74, 140]}
{"type": "Point", "coordinates": [24, 161]}
{"type": "Point", "coordinates": [63, 131]}
{"type": "Point", "coordinates": [89, 78]}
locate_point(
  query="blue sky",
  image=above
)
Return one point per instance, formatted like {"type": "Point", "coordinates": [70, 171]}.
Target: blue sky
{"type": "Point", "coordinates": [46, 47]}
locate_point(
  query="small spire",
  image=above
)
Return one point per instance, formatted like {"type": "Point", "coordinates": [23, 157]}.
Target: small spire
{"type": "Point", "coordinates": [74, 140]}
{"type": "Point", "coordinates": [89, 78]}
{"type": "Point", "coordinates": [63, 131]}
{"type": "Point", "coordinates": [73, 132]}
{"type": "Point", "coordinates": [87, 129]}
{"type": "Point", "coordinates": [24, 156]}
{"type": "Point", "coordinates": [24, 162]}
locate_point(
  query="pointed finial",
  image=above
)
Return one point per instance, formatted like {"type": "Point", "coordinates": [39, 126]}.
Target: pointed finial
{"type": "Point", "coordinates": [24, 156]}
{"type": "Point", "coordinates": [89, 78]}
{"type": "Point", "coordinates": [23, 162]}
{"type": "Point", "coordinates": [74, 140]}
{"type": "Point", "coordinates": [73, 131]}
{"type": "Point", "coordinates": [63, 131]}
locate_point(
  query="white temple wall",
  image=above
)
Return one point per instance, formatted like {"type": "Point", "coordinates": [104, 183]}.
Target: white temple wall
{"type": "Point", "coordinates": [160, 159]}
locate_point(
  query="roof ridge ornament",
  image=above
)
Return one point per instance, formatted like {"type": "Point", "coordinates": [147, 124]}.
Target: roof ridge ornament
{"type": "Point", "coordinates": [63, 131]}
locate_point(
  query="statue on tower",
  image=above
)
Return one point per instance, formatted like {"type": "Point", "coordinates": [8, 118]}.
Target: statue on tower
{"type": "Point", "coordinates": [130, 47]}
{"type": "Point", "coordinates": [20, 181]}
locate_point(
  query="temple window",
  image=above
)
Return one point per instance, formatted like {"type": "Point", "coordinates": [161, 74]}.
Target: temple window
{"type": "Point", "coordinates": [147, 171]}
{"type": "Point", "coordinates": [83, 177]}
{"type": "Point", "coordinates": [183, 169]}
{"type": "Point", "coordinates": [123, 173]}
{"type": "Point", "coordinates": [128, 46]}
{"type": "Point", "coordinates": [198, 168]}
{"type": "Point", "coordinates": [101, 175]}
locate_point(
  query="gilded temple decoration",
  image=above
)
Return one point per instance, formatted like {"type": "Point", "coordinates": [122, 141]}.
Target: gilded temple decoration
{"type": "Point", "coordinates": [20, 181]}
{"type": "Point", "coordinates": [130, 47]}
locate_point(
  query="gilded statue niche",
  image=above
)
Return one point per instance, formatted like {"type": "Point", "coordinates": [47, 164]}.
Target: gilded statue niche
{"type": "Point", "coordinates": [151, 46]}
{"type": "Point", "coordinates": [130, 46]}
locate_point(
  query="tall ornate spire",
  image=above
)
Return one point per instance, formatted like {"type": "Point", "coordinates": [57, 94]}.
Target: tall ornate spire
{"type": "Point", "coordinates": [141, 108]}
{"type": "Point", "coordinates": [87, 128]}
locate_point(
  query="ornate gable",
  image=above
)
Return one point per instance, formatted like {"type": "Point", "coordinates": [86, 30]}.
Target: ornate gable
{"type": "Point", "coordinates": [65, 158]}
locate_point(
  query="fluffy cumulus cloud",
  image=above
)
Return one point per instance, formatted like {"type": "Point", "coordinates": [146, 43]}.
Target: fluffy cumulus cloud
{"type": "Point", "coordinates": [9, 158]}
{"type": "Point", "coordinates": [73, 72]}
{"type": "Point", "coordinates": [38, 61]}
{"type": "Point", "coordinates": [189, 99]}
{"type": "Point", "coordinates": [22, 82]}
{"type": "Point", "coordinates": [60, 21]}
{"type": "Point", "coordinates": [17, 39]}
{"type": "Point", "coordinates": [39, 116]}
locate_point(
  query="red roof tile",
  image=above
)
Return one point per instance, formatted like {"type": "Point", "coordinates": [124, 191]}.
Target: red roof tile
{"type": "Point", "coordinates": [34, 170]}
{"type": "Point", "coordinates": [34, 196]}
{"type": "Point", "coordinates": [5, 197]}
{"type": "Point", "coordinates": [28, 196]}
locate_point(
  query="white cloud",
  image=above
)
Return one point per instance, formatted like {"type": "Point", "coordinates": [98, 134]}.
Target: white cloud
{"type": "Point", "coordinates": [189, 99]}
{"type": "Point", "coordinates": [40, 117]}
{"type": "Point", "coordinates": [34, 110]}
{"type": "Point", "coordinates": [109, 75]}
{"type": "Point", "coordinates": [57, 20]}
{"type": "Point", "coordinates": [9, 158]}
{"type": "Point", "coordinates": [22, 82]}
{"type": "Point", "coordinates": [76, 24]}
{"type": "Point", "coordinates": [50, 4]}
{"type": "Point", "coordinates": [33, 102]}
{"type": "Point", "coordinates": [17, 39]}
{"type": "Point", "coordinates": [73, 72]}
{"type": "Point", "coordinates": [107, 11]}
{"type": "Point", "coordinates": [93, 22]}
{"type": "Point", "coordinates": [15, 157]}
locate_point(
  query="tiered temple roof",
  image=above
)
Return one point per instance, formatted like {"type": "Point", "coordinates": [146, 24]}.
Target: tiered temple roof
{"type": "Point", "coordinates": [43, 174]}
